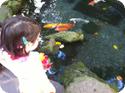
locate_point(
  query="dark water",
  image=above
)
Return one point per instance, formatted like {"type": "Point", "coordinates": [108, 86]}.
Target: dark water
{"type": "Point", "coordinates": [103, 49]}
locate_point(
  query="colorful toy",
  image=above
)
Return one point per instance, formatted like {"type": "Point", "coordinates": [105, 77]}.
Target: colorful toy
{"type": "Point", "coordinates": [47, 64]}
{"type": "Point", "coordinates": [45, 61]}
{"type": "Point", "coordinates": [61, 55]}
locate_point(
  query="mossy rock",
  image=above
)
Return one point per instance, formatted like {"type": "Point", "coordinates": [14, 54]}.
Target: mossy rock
{"type": "Point", "coordinates": [15, 6]}
{"type": "Point", "coordinates": [5, 13]}
{"type": "Point", "coordinates": [88, 85]}
{"type": "Point", "coordinates": [75, 70]}
{"type": "Point", "coordinates": [67, 37]}
{"type": "Point", "coordinates": [79, 79]}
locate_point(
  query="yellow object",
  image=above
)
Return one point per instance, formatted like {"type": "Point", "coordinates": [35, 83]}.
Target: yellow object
{"type": "Point", "coordinates": [115, 47]}
{"type": "Point", "coordinates": [58, 43]}
{"type": "Point", "coordinates": [51, 25]}
{"type": "Point", "coordinates": [42, 56]}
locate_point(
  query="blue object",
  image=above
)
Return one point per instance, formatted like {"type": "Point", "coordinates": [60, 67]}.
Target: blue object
{"type": "Point", "coordinates": [111, 80]}
{"type": "Point", "coordinates": [119, 83]}
{"type": "Point", "coordinates": [51, 71]}
{"type": "Point", "coordinates": [24, 40]}
{"type": "Point", "coordinates": [57, 75]}
{"type": "Point", "coordinates": [61, 55]}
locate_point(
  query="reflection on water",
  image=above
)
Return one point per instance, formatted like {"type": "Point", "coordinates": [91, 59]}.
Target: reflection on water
{"type": "Point", "coordinates": [49, 14]}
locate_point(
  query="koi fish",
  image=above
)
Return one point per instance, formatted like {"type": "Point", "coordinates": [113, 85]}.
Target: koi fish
{"type": "Point", "coordinates": [59, 26]}
{"type": "Point", "coordinates": [93, 2]}
{"type": "Point", "coordinates": [74, 20]}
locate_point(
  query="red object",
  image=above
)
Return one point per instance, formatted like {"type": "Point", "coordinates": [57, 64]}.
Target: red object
{"type": "Point", "coordinates": [92, 3]}
{"type": "Point", "coordinates": [64, 27]}
{"type": "Point", "coordinates": [46, 64]}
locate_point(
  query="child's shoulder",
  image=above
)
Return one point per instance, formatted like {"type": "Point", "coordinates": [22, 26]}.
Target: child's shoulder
{"type": "Point", "coordinates": [34, 53]}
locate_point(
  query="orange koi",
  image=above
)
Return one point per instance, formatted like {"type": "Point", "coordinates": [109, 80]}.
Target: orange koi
{"type": "Point", "coordinates": [50, 25]}
{"type": "Point", "coordinates": [92, 3]}
{"type": "Point", "coordinates": [59, 26]}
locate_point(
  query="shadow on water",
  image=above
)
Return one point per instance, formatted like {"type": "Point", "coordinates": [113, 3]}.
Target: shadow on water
{"type": "Point", "coordinates": [71, 52]}
{"type": "Point", "coordinates": [105, 11]}
{"type": "Point", "coordinates": [97, 52]}
{"type": "Point", "coordinates": [90, 28]}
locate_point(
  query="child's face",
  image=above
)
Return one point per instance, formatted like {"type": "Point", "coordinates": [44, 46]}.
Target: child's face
{"type": "Point", "coordinates": [32, 46]}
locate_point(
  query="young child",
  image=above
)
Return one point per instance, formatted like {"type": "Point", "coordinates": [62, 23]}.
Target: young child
{"type": "Point", "coordinates": [19, 37]}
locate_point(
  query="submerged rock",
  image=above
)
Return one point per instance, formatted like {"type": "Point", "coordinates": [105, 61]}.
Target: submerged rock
{"type": "Point", "coordinates": [78, 79]}
{"type": "Point", "coordinates": [67, 37]}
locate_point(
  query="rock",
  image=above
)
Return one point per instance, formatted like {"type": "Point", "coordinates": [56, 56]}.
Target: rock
{"type": "Point", "coordinates": [79, 79]}
{"type": "Point", "coordinates": [88, 85]}
{"type": "Point", "coordinates": [49, 46]}
{"type": "Point", "coordinates": [67, 37]}
{"type": "Point", "coordinates": [5, 13]}
{"type": "Point", "coordinates": [16, 6]}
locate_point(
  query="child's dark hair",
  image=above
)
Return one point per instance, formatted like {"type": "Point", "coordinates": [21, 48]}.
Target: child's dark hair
{"type": "Point", "coordinates": [13, 29]}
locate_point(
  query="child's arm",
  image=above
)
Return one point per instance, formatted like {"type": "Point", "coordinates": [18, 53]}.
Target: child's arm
{"type": "Point", "coordinates": [31, 75]}
{"type": "Point", "coordinates": [48, 86]}
{"type": "Point", "coordinates": [46, 65]}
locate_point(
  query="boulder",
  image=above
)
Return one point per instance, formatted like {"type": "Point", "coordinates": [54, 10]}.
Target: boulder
{"type": "Point", "coordinates": [79, 79]}
{"type": "Point", "coordinates": [88, 85]}
{"type": "Point", "coordinates": [18, 6]}
{"type": "Point", "coordinates": [5, 13]}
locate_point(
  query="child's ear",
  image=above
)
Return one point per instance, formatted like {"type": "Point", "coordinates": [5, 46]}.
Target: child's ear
{"type": "Point", "coordinates": [28, 47]}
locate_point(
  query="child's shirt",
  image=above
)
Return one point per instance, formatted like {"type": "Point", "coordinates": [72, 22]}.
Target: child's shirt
{"type": "Point", "coordinates": [8, 82]}
{"type": "Point", "coordinates": [29, 71]}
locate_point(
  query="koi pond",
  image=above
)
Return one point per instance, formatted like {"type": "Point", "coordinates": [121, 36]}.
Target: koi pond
{"type": "Point", "coordinates": [102, 47]}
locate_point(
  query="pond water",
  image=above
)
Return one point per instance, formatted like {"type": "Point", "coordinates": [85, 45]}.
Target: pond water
{"type": "Point", "coordinates": [103, 49]}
